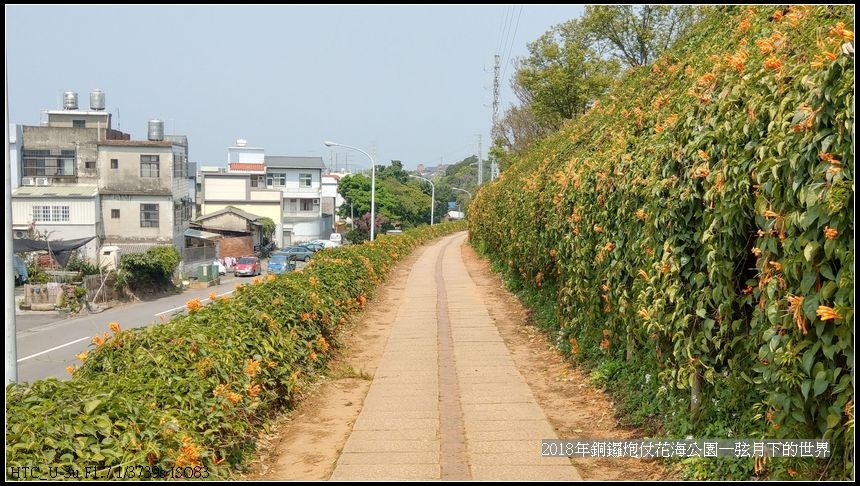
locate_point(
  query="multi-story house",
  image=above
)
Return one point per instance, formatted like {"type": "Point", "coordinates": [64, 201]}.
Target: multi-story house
{"type": "Point", "coordinates": [57, 174]}
{"type": "Point", "coordinates": [300, 181]}
{"type": "Point", "coordinates": [145, 190]}
{"type": "Point", "coordinates": [79, 178]}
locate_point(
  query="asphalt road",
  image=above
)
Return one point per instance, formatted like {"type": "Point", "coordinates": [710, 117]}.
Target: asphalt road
{"type": "Point", "coordinates": [47, 344]}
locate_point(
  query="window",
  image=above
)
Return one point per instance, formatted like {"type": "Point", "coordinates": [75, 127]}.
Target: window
{"type": "Point", "coordinates": [57, 214]}
{"type": "Point", "coordinates": [149, 215]}
{"type": "Point", "coordinates": [149, 166]}
{"type": "Point", "coordinates": [79, 124]}
{"type": "Point", "coordinates": [48, 163]}
{"type": "Point", "coordinates": [180, 164]}
{"type": "Point", "coordinates": [305, 180]}
{"type": "Point", "coordinates": [257, 181]}
{"type": "Point", "coordinates": [114, 213]}
{"type": "Point", "coordinates": [114, 163]}
{"type": "Point", "coordinates": [278, 179]}
{"type": "Point", "coordinates": [308, 204]}
{"type": "Point", "coordinates": [90, 164]}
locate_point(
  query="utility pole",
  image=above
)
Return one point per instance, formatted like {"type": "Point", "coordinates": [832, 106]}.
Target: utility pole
{"type": "Point", "coordinates": [480, 165]}
{"type": "Point", "coordinates": [494, 166]}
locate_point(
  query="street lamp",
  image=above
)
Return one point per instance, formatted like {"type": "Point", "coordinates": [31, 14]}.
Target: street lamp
{"type": "Point", "coordinates": [458, 189]}
{"type": "Point", "coordinates": [372, 184]}
{"type": "Point", "coordinates": [462, 190]}
{"type": "Point", "coordinates": [432, 196]}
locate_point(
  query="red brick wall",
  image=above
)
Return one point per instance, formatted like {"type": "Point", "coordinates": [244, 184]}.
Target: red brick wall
{"type": "Point", "coordinates": [237, 246]}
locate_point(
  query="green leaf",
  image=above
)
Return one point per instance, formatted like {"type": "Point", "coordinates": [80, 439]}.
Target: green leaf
{"type": "Point", "coordinates": [820, 384]}
{"type": "Point", "coordinates": [804, 388]}
{"type": "Point", "coordinates": [809, 358]}
{"type": "Point", "coordinates": [833, 420]}
{"type": "Point", "coordinates": [810, 251]}
{"type": "Point", "coordinates": [91, 405]}
{"type": "Point", "coordinates": [827, 272]}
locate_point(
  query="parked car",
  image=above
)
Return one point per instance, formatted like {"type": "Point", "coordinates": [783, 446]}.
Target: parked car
{"type": "Point", "coordinates": [313, 246]}
{"type": "Point", "coordinates": [280, 262]}
{"type": "Point", "coordinates": [336, 238]}
{"type": "Point", "coordinates": [248, 265]}
{"type": "Point", "coordinates": [298, 252]}
{"type": "Point", "coordinates": [325, 243]}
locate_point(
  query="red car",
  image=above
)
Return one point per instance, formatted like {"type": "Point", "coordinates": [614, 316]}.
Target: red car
{"type": "Point", "coordinates": [248, 265]}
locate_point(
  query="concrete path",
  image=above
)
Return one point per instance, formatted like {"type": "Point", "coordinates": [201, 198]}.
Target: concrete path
{"type": "Point", "coordinates": [447, 401]}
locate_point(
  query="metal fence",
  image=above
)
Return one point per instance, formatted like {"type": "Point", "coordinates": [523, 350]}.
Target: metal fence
{"type": "Point", "coordinates": [199, 254]}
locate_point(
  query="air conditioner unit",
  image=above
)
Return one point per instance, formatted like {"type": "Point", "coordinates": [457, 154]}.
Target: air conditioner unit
{"type": "Point", "coordinates": [20, 234]}
{"type": "Point", "coordinates": [316, 201]}
{"type": "Point", "coordinates": [27, 181]}
{"type": "Point", "coordinates": [43, 181]}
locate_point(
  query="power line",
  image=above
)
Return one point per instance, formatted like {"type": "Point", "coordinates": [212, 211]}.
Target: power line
{"type": "Point", "coordinates": [511, 46]}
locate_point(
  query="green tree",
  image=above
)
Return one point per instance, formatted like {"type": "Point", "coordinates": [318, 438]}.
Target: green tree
{"type": "Point", "coordinates": [637, 35]}
{"type": "Point", "coordinates": [563, 74]}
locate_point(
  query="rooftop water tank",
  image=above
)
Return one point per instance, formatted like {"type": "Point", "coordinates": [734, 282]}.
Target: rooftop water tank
{"type": "Point", "coordinates": [156, 130]}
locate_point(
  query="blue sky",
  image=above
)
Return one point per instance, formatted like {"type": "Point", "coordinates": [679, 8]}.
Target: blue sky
{"type": "Point", "coordinates": [412, 83]}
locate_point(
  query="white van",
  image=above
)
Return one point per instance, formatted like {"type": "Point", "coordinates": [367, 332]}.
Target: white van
{"type": "Point", "coordinates": [336, 238]}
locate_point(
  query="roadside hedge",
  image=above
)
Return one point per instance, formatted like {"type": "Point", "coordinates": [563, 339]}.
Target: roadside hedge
{"type": "Point", "coordinates": [697, 225]}
{"type": "Point", "coordinates": [194, 391]}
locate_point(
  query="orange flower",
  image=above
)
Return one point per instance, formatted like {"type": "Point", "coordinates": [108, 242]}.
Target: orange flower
{"type": "Point", "coordinates": [70, 369]}
{"type": "Point", "coordinates": [598, 229]}
{"type": "Point", "coordinates": [161, 316]}
{"type": "Point", "coordinates": [765, 46]}
{"type": "Point", "coordinates": [604, 344]}
{"type": "Point", "coordinates": [640, 213]}
{"type": "Point", "coordinates": [609, 246]}
{"type": "Point", "coordinates": [777, 15]}
{"type": "Point", "coordinates": [213, 296]}
{"type": "Point", "coordinates": [772, 63]}
{"type": "Point", "coordinates": [322, 344]}
{"type": "Point", "coordinates": [830, 233]}
{"type": "Point", "coordinates": [306, 316]}
{"type": "Point", "coordinates": [705, 79]}
{"type": "Point", "coordinates": [219, 390]}
{"type": "Point", "coordinates": [193, 305]}
{"type": "Point", "coordinates": [237, 286]}
{"type": "Point", "coordinates": [747, 290]}
{"type": "Point", "coordinates": [361, 300]}
{"type": "Point", "coordinates": [114, 326]}
{"type": "Point", "coordinates": [313, 356]}
{"type": "Point", "coordinates": [234, 397]}
{"type": "Point", "coordinates": [257, 281]}
{"type": "Point", "coordinates": [704, 155]}
{"type": "Point", "coordinates": [756, 251]}
{"type": "Point", "coordinates": [82, 356]}
{"type": "Point", "coordinates": [253, 391]}
{"type": "Point", "coordinates": [270, 277]}
{"type": "Point", "coordinates": [795, 305]}
{"type": "Point", "coordinates": [776, 265]}
{"type": "Point", "coordinates": [98, 340]}
{"type": "Point", "coordinates": [792, 472]}
{"type": "Point", "coordinates": [574, 345]}
{"type": "Point", "coordinates": [313, 281]}
{"type": "Point", "coordinates": [839, 30]}
{"type": "Point", "coordinates": [189, 454]}
{"type": "Point", "coordinates": [271, 364]}
{"type": "Point", "coordinates": [744, 25]}
{"type": "Point", "coordinates": [827, 313]}
{"type": "Point", "coordinates": [664, 267]}
{"type": "Point", "coordinates": [771, 214]}
{"type": "Point", "coordinates": [828, 157]}
{"type": "Point", "coordinates": [252, 367]}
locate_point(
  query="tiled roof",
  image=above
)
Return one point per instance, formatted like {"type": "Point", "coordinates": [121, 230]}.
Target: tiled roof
{"type": "Point", "coordinates": [247, 166]}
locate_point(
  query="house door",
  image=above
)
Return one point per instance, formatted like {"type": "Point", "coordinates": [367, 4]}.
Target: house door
{"type": "Point", "coordinates": [288, 238]}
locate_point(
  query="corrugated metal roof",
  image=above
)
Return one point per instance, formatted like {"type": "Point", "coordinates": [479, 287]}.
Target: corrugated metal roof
{"type": "Point", "coordinates": [289, 162]}
{"type": "Point", "coordinates": [138, 143]}
{"type": "Point", "coordinates": [55, 191]}
{"type": "Point", "coordinates": [205, 235]}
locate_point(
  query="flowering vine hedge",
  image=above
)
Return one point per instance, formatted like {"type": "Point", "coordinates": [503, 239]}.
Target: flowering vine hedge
{"type": "Point", "coordinates": [700, 219]}
{"type": "Point", "coordinates": [192, 392]}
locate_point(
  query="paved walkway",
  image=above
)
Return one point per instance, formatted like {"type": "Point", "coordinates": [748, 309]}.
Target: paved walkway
{"type": "Point", "coordinates": [447, 401]}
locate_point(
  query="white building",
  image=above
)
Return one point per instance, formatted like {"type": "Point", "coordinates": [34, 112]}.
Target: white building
{"type": "Point", "coordinates": [59, 212]}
